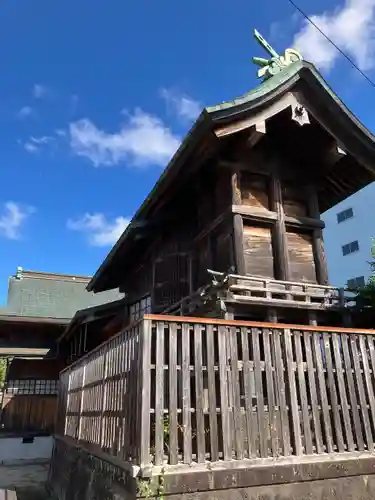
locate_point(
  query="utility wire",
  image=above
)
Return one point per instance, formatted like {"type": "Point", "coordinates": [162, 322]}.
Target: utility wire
{"type": "Point", "coordinates": [332, 42]}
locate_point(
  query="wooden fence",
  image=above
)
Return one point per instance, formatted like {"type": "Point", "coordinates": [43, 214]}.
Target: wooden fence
{"type": "Point", "coordinates": [176, 390]}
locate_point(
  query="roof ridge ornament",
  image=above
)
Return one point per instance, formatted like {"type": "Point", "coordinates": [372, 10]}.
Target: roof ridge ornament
{"type": "Point", "coordinates": [277, 62]}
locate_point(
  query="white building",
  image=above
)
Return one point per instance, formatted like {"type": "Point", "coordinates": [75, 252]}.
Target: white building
{"type": "Point", "coordinates": [350, 227]}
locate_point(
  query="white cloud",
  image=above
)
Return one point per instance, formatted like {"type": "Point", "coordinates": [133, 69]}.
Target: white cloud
{"type": "Point", "coordinates": [12, 219]}
{"type": "Point", "coordinates": [25, 112]}
{"type": "Point", "coordinates": [350, 26]}
{"type": "Point", "coordinates": [60, 132]}
{"type": "Point", "coordinates": [143, 140]}
{"type": "Point", "coordinates": [35, 144]}
{"type": "Point", "coordinates": [100, 230]}
{"type": "Point", "coordinates": [182, 105]}
{"type": "Point", "coordinates": [39, 91]}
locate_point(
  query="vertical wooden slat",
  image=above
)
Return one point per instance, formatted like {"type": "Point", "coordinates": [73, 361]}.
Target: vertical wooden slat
{"type": "Point", "coordinates": [361, 392]}
{"type": "Point", "coordinates": [227, 445]}
{"type": "Point", "coordinates": [333, 394]}
{"type": "Point", "coordinates": [186, 400]}
{"type": "Point", "coordinates": [259, 394]}
{"type": "Point", "coordinates": [303, 394]}
{"type": "Point", "coordinates": [127, 412]}
{"type": "Point", "coordinates": [214, 454]}
{"type": "Point", "coordinates": [104, 395]}
{"type": "Point", "coordinates": [293, 392]}
{"type": "Point", "coordinates": [314, 399]}
{"type": "Point", "coordinates": [248, 393]}
{"type": "Point", "coordinates": [159, 394]}
{"type": "Point", "coordinates": [322, 391]}
{"type": "Point", "coordinates": [145, 384]}
{"type": "Point", "coordinates": [371, 354]}
{"type": "Point", "coordinates": [231, 436]}
{"type": "Point", "coordinates": [367, 373]}
{"type": "Point", "coordinates": [173, 444]}
{"type": "Point", "coordinates": [239, 441]}
{"type": "Point", "coordinates": [352, 393]}
{"type": "Point", "coordinates": [270, 393]}
{"type": "Point", "coordinates": [199, 396]}
{"type": "Point", "coordinates": [281, 393]}
{"type": "Point", "coordinates": [342, 393]}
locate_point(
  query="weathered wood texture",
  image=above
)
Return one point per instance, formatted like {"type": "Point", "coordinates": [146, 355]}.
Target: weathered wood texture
{"type": "Point", "coordinates": [25, 413]}
{"type": "Point", "coordinates": [173, 391]}
{"type": "Point", "coordinates": [254, 190]}
{"type": "Point", "coordinates": [99, 397]}
{"type": "Point", "coordinates": [301, 257]}
{"type": "Point", "coordinates": [258, 251]}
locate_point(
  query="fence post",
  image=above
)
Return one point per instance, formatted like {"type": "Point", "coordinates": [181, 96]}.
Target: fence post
{"type": "Point", "coordinates": [143, 408]}
{"type": "Point", "coordinates": [104, 396]}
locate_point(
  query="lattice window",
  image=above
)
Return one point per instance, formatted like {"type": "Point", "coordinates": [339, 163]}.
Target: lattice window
{"type": "Point", "coordinates": [29, 386]}
{"type": "Point", "coordinates": [139, 308]}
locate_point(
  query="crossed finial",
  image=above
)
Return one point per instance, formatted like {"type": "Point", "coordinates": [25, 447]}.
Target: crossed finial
{"type": "Point", "coordinates": [272, 66]}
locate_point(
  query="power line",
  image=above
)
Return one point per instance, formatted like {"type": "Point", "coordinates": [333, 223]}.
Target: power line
{"type": "Point", "coordinates": [349, 59]}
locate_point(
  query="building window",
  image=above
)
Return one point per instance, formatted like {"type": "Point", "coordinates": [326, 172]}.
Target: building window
{"type": "Point", "coordinates": [345, 215]}
{"type": "Point", "coordinates": [355, 283]}
{"type": "Point", "coordinates": [350, 247]}
{"type": "Point", "coordinates": [28, 386]}
{"type": "Point", "coordinates": [138, 309]}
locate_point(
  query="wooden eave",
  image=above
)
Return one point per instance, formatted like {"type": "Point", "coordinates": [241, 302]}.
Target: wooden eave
{"type": "Point", "coordinates": [90, 315]}
{"type": "Point", "coordinates": [312, 92]}
{"type": "Point", "coordinates": [12, 318]}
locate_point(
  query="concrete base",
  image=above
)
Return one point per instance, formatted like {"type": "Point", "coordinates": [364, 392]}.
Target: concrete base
{"type": "Point", "coordinates": [24, 476]}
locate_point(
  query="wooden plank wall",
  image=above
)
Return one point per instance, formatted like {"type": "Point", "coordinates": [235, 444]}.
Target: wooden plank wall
{"type": "Point", "coordinates": [32, 412]}
{"type": "Point", "coordinates": [259, 260]}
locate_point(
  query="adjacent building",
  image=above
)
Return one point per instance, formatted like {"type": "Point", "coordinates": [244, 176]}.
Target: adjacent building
{"type": "Point", "coordinates": [350, 227]}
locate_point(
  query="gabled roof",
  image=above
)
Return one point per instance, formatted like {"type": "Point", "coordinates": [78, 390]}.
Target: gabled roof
{"type": "Point", "coordinates": [32, 294]}
{"type": "Point", "coordinates": [301, 77]}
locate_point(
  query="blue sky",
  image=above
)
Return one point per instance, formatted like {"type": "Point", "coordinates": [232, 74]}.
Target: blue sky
{"type": "Point", "coordinates": [95, 97]}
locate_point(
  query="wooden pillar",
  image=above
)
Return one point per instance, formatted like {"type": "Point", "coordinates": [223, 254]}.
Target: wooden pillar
{"type": "Point", "coordinates": [318, 244]}
{"type": "Point", "coordinates": [279, 231]}
{"type": "Point", "coordinates": [272, 315]}
{"type": "Point", "coordinates": [239, 256]}
{"type": "Point", "coordinates": [313, 319]}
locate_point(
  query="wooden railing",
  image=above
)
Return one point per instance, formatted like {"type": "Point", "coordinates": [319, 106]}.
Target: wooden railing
{"type": "Point", "coordinates": [266, 291]}
{"type": "Point", "coordinates": [174, 390]}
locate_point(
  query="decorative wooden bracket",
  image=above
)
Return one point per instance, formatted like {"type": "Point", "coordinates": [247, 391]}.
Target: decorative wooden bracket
{"type": "Point", "coordinates": [300, 114]}
{"type": "Point", "coordinates": [334, 154]}
{"type": "Point", "coordinates": [256, 133]}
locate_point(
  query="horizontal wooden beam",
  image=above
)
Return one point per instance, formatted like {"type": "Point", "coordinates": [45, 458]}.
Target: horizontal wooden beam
{"type": "Point", "coordinates": [308, 222]}
{"type": "Point", "coordinates": [30, 352]}
{"type": "Point", "coordinates": [284, 102]}
{"type": "Point", "coordinates": [252, 165]}
{"type": "Point", "coordinates": [255, 324]}
{"type": "Point", "coordinates": [268, 216]}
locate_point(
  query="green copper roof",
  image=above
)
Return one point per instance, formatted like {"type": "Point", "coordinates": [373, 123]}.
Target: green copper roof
{"type": "Point", "coordinates": [262, 89]}
{"type": "Point", "coordinates": [57, 297]}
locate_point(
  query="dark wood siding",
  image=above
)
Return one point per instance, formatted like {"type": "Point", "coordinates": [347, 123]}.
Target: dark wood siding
{"type": "Point", "coordinates": [222, 250]}
{"type": "Point", "coordinates": [294, 201]}
{"type": "Point", "coordinates": [258, 251]}
{"type": "Point", "coordinates": [254, 190]}
{"type": "Point", "coordinates": [171, 279]}
{"type": "Point", "coordinates": [301, 257]}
